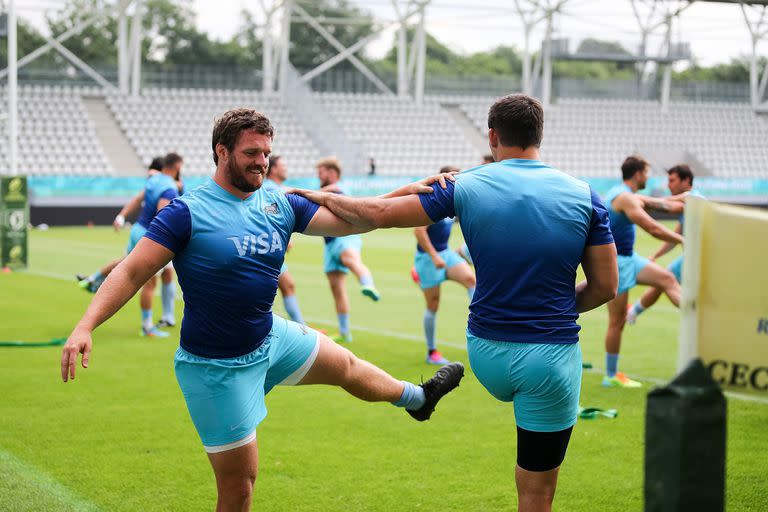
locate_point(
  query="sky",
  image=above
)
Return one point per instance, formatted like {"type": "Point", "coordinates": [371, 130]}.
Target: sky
{"type": "Point", "coordinates": [716, 32]}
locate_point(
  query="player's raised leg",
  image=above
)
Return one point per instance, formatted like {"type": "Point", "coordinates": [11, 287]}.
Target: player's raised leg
{"type": "Point", "coordinates": [337, 366]}
{"type": "Point", "coordinates": [337, 280]}
{"type": "Point", "coordinates": [235, 472]}
{"type": "Point", "coordinates": [657, 276]}
{"type": "Point", "coordinates": [351, 259]}
{"type": "Point", "coordinates": [462, 273]}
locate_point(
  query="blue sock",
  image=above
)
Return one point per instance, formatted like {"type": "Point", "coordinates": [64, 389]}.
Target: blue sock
{"type": "Point", "coordinates": [344, 324]}
{"type": "Point", "coordinates": [471, 293]}
{"type": "Point", "coordinates": [412, 398]}
{"type": "Point", "coordinates": [168, 293]}
{"type": "Point", "coordinates": [366, 280]}
{"type": "Point", "coordinates": [638, 308]}
{"type": "Point", "coordinates": [146, 318]}
{"type": "Point", "coordinates": [611, 364]}
{"type": "Point", "coordinates": [291, 304]}
{"type": "Point", "coordinates": [429, 329]}
{"type": "Point", "coordinates": [96, 276]}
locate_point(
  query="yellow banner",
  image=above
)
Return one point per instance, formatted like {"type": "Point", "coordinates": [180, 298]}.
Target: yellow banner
{"type": "Point", "coordinates": [724, 307]}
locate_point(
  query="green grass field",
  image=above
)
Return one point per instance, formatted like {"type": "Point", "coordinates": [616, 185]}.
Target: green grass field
{"type": "Point", "coordinates": [119, 438]}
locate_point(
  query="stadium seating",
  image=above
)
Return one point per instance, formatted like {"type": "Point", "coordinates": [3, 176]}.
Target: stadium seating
{"type": "Point", "coordinates": [591, 137]}
{"type": "Point", "coordinates": [402, 137]}
{"type": "Point", "coordinates": [181, 120]}
{"type": "Point", "coordinates": [583, 137]}
{"type": "Point", "coordinates": [56, 136]}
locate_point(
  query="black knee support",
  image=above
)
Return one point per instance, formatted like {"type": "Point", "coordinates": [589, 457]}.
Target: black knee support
{"type": "Point", "coordinates": [541, 451]}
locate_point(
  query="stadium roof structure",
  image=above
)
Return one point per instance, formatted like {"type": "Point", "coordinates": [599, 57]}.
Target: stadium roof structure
{"type": "Point", "coordinates": [279, 76]}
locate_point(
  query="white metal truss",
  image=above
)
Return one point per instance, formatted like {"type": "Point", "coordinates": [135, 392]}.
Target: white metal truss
{"type": "Point", "coordinates": [57, 44]}
{"type": "Point", "coordinates": [532, 13]}
{"type": "Point", "coordinates": [756, 18]}
{"type": "Point", "coordinates": [651, 16]}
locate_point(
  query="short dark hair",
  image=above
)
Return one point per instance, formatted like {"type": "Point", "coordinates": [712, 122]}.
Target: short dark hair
{"type": "Point", "coordinates": [171, 159]}
{"type": "Point", "coordinates": [449, 168]}
{"type": "Point", "coordinates": [632, 165]}
{"type": "Point", "coordinates": [518, 119]}
{"type": "Point", "coordinates": [683, 172]}
{"type": "Point", "coordinates": [156, 164]}
{"type": "Point", "coordinates": [488, 158]}
{"type": "Point", "coordinates": [227, 128]}
{"type": "Point", "coordinates": [273, 159]}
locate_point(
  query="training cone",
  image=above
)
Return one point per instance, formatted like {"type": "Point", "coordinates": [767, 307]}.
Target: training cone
{"type": "Point", "coordinates": [6, 270]}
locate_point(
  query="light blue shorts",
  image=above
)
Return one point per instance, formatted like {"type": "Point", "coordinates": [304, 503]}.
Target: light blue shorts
{"type": "Point", "coordinates": [542, 379]}
{"type": "Point", "coordinates": [137, 231]}
{"type": "Point", "coordinates": [629, 267]}
{"type": "Point", "coordinates": [333, 250]}
{"type": "Point", "coordinates": [225, 397]}
{"type": "Point", "coordinates": [431, 276]}
{"type": "Point", "coordinates": [676, 267]}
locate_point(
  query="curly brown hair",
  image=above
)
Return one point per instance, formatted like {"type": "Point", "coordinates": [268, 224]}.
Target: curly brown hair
{"type": "Point", "coordinates": [227, 128]}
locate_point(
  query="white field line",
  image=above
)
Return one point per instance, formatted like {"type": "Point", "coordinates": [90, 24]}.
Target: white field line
{"type": "Point", "coordinates": [48, 486]}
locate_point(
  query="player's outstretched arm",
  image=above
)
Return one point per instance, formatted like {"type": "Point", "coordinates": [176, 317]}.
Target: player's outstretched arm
{"type": "Point", "coordinates": [422, 237]}
{"type": "Point", "coordinates": [146, 259]}
{"type": "Point", "coordinates": [633, 208]}
{"type": "Point", "coordinates": [602, 273]}
{"type": "Point", "coordinates": [131, 208]}
{"type": "Point", "coordinates": [667, 204]}
{"type": "Point", "coordinates": [400, 208]}
{"type": "Point", "coordinates": [368, 213]}
{"type": "Point", "coordinates": [667, 246]}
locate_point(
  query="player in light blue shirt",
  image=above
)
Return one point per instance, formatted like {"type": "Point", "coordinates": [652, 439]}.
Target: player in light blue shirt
{"type": "Point", "coordinates": [342, 254]}
{"type": "Point", "coordinates": [627, 209]}
{"type": "Point", "coordinates": [228, 240]}
{"type": "Point", "coordinates": [276, 176]}
{"type": "Point", "coordinates": [170, 164]}
{"type": "Point", "coordinates": [434, 263]}
{"type": "Point", "coordinates": [528, 227]}
{"type": "Point", "coordinates": [679, 182]}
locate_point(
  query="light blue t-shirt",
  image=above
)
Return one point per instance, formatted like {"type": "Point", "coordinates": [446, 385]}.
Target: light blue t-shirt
{"type": "Point", "coordinates": [622, 228]}
{"type": "Point", "coordinates": [526, 225]}
{"type": "Point", "coordinates": [228, 254]}
{"type": "Point", "coordinates": [158, 186]}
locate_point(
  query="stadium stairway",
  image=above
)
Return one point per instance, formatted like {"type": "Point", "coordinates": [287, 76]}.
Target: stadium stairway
{"type": "Point", "coordinates": [115, 144]}
{"type": "Point", "coordinates": [467, 126]}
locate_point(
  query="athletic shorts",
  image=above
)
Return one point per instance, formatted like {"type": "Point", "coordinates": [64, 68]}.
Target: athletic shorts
{"type": "Point", "coordinates": [542, 379]}
{"type": "Point", "coordinates": [225, 397]}
{"type": "Point", "coordinates": [629, 267]}
{"type": "Point", "coordinates": [333, 250]}
{"type": "Point", "coordinates": [676, 267]}
{"type": "Point", "coordinates": [431, 276]}
{"type": "Point", "coordinates": [137, 231]}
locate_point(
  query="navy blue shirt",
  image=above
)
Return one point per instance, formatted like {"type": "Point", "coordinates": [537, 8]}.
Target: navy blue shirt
{"type": "Point", "coordinates": [228, 254]}
{"type": "Point", "coordinates": [438, 233]}
{"type": "Point", "coordinates": [526, 225]}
